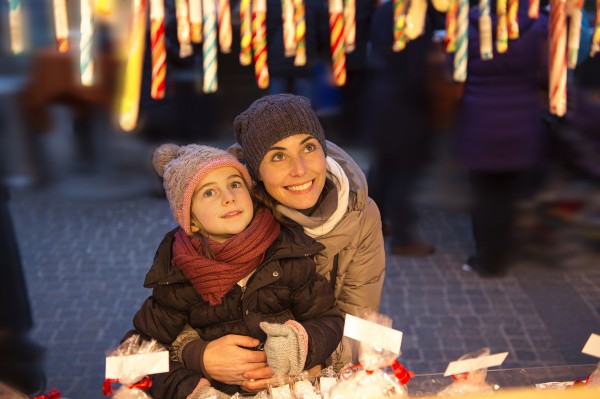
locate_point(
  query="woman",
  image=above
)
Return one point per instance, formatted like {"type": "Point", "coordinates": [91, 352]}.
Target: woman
{"type": "Point", "coordinates": [311, 182]}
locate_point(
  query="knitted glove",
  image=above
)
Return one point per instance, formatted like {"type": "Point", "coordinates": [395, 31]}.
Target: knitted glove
{"type": "Point", "coordinates": [286, 347]}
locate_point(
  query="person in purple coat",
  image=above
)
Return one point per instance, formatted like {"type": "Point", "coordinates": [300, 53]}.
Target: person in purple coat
{"type": "Point", "coordinates": [500, 133]}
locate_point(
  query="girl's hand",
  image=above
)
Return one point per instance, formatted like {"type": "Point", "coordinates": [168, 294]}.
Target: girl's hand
{"type": "Point", "coordinates": [226, 359]}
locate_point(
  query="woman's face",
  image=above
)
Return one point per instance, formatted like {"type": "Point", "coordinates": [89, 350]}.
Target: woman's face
{"type": "Point", "coordinates": [294, 171]}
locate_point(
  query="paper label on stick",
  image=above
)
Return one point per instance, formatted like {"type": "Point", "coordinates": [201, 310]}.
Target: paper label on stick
{"type": "Point", "coordinates": [137, 365]}
{"type": "Point", "coordinates": [592, 346]}
{"type": "Point", "coordinates": [373, 334]}
{"type": "Point", "coordinates": [464, 366]}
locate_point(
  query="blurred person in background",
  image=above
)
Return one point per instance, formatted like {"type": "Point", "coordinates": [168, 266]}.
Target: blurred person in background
{"type": "Point", "coordinates": [21, 359]}
{"type": "Point", "coordinates": [398, 106]}
{"type": "Point", "coordinates": [500, 134]}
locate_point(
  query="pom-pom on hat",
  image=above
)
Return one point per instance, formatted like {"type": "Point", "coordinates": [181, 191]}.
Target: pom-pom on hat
{"type": "Point", "coordinates": [182, 168]}
{"type": "Point", "coordinates": [273, 118]}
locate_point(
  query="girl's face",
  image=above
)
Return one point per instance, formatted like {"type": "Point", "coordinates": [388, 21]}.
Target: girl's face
{"type": "Point", "coordinates": [294, 171]}
{"type": "Point", "coordinates": [221, 205]}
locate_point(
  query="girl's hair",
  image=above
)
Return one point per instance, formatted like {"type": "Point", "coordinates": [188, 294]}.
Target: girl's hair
{"type": "Point", "coordinates": [206, 251]}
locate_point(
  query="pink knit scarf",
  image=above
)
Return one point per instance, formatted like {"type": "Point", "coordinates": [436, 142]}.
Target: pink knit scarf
{"type": "Point", "coordinates": [233, 259]}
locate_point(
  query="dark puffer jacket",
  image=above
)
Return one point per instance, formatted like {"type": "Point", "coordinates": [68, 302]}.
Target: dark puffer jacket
{"type": "Point", "coordinates": [285, 286]}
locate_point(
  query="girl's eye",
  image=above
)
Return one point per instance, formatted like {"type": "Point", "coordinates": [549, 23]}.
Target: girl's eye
{"type": "Point", "coordinates": [278, 157]}
{"type": "Point", "coordinates": [310, 147]}
{"type": "Point", "coordinates": [208, 193]}
{"type": "Point", "coordinates": [236, 184]}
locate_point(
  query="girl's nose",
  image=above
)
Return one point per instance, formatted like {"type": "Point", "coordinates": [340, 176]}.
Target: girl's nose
{"type": "Point", "coordinates": [228, 197]}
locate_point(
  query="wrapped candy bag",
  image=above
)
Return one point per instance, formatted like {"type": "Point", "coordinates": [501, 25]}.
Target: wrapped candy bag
{"type": "Point", "coordinates": [369, 380]}
{"type": "Point", "coordinates": [471, 382]}
{"type": "Point", "coordinates": [130, 364]}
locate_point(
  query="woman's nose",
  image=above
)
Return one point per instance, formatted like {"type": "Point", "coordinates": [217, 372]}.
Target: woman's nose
{"type": "Point", "coordinates": [298, 167]}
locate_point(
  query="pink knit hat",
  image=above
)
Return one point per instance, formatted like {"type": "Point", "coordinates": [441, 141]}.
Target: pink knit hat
{"type": "Point", "coordinates": [182, 168]}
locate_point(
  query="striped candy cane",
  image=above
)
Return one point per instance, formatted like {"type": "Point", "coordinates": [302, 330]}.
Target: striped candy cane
{"type": "Point", "coordinates": [399, 25]}
{"type": "Point", "coordinates": [61, 25]}
{"type": "Point", "coordinates": [300, 32]}
{"type": "Point", "coordinates": [15, 21]}
{"type": "Point", "coordinates": [196, 20]}
{"type": "Point", "coordinates": [595, 49]}
{"type": "Point", "coordinates": [224, 26]}
{"type": "Point", "coordinates": [349, 25]}
{"type": "Point", "coordinates": [132, 82]}
{"type": "Point", "coordinates": [289, 28]}
{"type": "Point", "coordinates": [159, 49]}
{"type": "Point", "coordinates": [86, 61]}
{"type": "Point", "coordinates": [462, 42]}
{"type": "Point", "coordinates": [558, 57]}
{"type": "Point", "coordinates": [485, 31]}
{"type": "Point", "coordinates": [245, 33]}
{"type": "Point", "coordinates": [209, 46]}
{"type": "Point", "coordinates": [451, 15]}
{"type": "Point", "coordinates": [502, 28]}
{"type": "Point", "coordinates": [513, 22]}
{"type": "Point", "coordinates": [183, 28]}
{"type": "Point", "coordinates": [441, 5]}
{"type": "Point", "coordinates": [259, 42]}
{"type": "Point", "coordinates": [336, 38]}
{"type": "Point", "coordinates": [533, 11]}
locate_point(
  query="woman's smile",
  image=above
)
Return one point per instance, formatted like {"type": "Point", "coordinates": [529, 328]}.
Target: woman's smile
{"type": "Point", "coordinates": [301, 188]}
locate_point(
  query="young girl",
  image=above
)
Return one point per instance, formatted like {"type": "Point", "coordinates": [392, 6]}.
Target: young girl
{"type": "Point", "coordinates": [230, 268]}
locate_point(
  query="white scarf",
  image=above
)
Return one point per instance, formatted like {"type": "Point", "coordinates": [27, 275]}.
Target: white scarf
{"type": "Point", "coordinates": [343, 191]}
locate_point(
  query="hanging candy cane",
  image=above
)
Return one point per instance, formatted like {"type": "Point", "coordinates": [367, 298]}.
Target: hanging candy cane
{"type": "Point", "coordinates": [462, 42]}
{"type": "Point", "coordinates": [132, 81]}
{"type": "Point", "coordinates": [209, 46]}
{"type": "Point", "coordinates": [103, 7]}
{"type": "Point", "coordinates": [159, 49]}
{"type": "Point", "coordinates": [61, 25]}
{"type": "Point", "coordinates": [183, 28]}
{"type": "Point", "coordinates": [349, 25]}
{"type": "Point", "coordinates": [441, 5]}
{"type": "Point", "coordinates": [289, 28]}
{"type": "Point", "coordinates": [195, 8]}
{"type": "Point", "coordinates": [595, 48]}
{"type": "Point", "coordinates": [450, 40]}
{"type": "Point", "coordinates": [558, 57]}
{"type": "Point", "coordinates": [224, 26]}
{"type": "Point", "coordinates": [336, 38]}
{"type": "Point", "coordinates": [15, 22]}
{"type": "Point", "coordinates": [245, 33]}
{"type": "Point", "coordinates": [259, 42]}
{"type": "Point", "coordinates": [400, 38]}
{"type": "Point", "coordinates": [502, 28]}
{"type": "Point", "coordinates": [86, 61]}
{"type": "Point", "coordinates": [533, 11]}
{"type": "Point", "coordinates": [574, 13]}
{"type": "Point", "coordinates": [415, 19]}
{"type": "Point", "coordinates": [513, 21]}
{"type": "Point", "coordinates": [485, 31]}
{"type": "Point", "coordinates": [300, 32]}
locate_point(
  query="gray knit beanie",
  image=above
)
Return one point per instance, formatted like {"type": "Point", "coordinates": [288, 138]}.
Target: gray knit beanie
{"type": "Point", "coordinates": [182, 168]}
{"type": "Point", "coordinates": [273, 118]}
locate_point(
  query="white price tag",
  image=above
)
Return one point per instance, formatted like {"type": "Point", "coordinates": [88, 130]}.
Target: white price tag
{"type": "Point", "coordinates": [464, 366]}
{"type": "Point", "coordinates": [373, 334]}
{"type": "Point", "coordinates": [592, 346]}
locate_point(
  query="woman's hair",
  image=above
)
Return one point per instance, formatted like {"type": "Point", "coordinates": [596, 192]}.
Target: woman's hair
{"type": "Point", "coordinates": [264, 198]}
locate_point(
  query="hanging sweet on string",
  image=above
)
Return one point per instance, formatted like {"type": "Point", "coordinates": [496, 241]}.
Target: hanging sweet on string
{"type": "Point", "coordinates": [485, 31]}
{"type": "Point", "coordinates": [245, 33]}
{"type": "Point", "coordinates": [595, 47]}
{"type": "Point", "coordinates": [15, 22]}
{"type": "Point", "coordinates": [289, 28]}
{"type": "Point", "coordinates": [574, 13]}
{"type": "Point", "coordinates": [183, 28]}
{"type": "Point", "coordinates": [224, 15]}
{"type": "Point", "coordinates": [399, 7]}
{"type": "Point", "coordinates": [61, 25]}
{"type": "Point", "coordinates": [462, 42]}
{"type": "Point", "coordinates": [502, 27]}
{"type": "Point", "coordinates": [158, 49]}
{"type": "Point", "coordinates": [558, 58]}
{"type": "Point", "coordinates": [349, 25]}
{"type": "Point", "coordinates": [209, 47]}
{"type": "Point", "coordinates": [300, 32]}
{"type": "Point", "coordinates": [415, 19]}
{"type": "Point", "coordinates": [86, 43]}
{"type": "Point", "coordinates": [451, 15]}
{"type": "Point", "coordinates": [513, 21]}
{"type": "Point", "coordinates": [259, 43]}
{"type": "Point", "coordinates": [132, 80]}
{"type": "Point", "coordinates": [336, 38]}
{"type": "Point", "coordinates": [195, 9]}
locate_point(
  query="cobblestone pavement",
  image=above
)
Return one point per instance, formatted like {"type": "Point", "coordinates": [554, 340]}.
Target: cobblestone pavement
{"type": "Point", "coordinates": [85, 262]}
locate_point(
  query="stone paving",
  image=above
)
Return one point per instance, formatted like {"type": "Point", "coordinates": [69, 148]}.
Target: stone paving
{"type": "Point", "coordinates": [85, 262]}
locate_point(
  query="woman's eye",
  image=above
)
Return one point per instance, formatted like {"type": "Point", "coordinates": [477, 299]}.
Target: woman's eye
{"type": "Point", "coordinates": [310, 147]}
{"type": "Point", "coordinates": [278, 157]}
